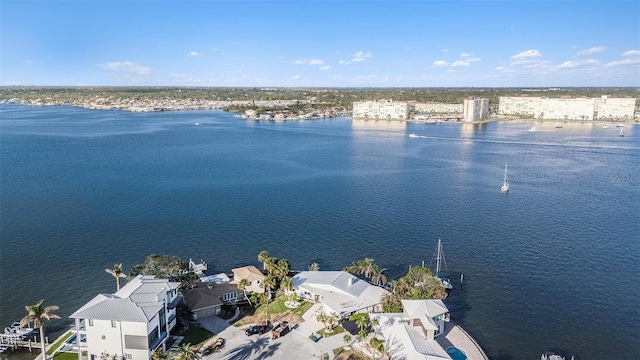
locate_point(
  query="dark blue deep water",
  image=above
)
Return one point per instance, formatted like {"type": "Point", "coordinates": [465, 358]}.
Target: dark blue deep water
{"type": "Point", "coordinates": [553, 264]}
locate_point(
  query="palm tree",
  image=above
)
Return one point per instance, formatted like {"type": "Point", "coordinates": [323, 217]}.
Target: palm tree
{"type": "Point", "coordinates": [377, 276]}
{"type": "Point", "coordinates": [159, 355]}
{"type": "Point", "coordinates": [185, 352]}
{"type": "Point", "coordinates": [243, 286]}
{"type": "Point", "coordinates": [314, 267]}
{"type": "Point", "coordinates": [362, 321]}
{"type": "Point", "coordinates": [117, 273]}
{"type": "Point", "coordinates": [367, 267]}
{"type": "Point", "coordinates": [269, 284]}
{"type": "Point", "coordinates": [37, 315]}
{"type": "Point", "coordinates": [281, 268]}
{"type": "Point", "coordinates": [263, 257]}
{"type": "Point", "coordinates": [286, 283]}
{"type": "Point", "coordinates": [347, 339]}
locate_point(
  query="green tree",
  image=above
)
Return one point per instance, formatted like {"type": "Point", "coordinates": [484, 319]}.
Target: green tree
{"type": "Point", "coordinates": [269, 284]}
{"type": "Point", "coordinates": [263, 257]}
{"type": "Point", "coordinates": [243, 286]}
{"type": "Point", "coordinates": [281, 268]}
{"type": "Point", "coordinates": [377, 275]}
{"type": "Point", "coordinates": [347, 339]}
{"type": "Point", "coordinates": [185, 352]}
{"type": "Point", "coordinates": [117, 273]}
{"type": "Point", "coordinates": [162, 266]}
{"type": "Point", "coordinates": [37, 314]}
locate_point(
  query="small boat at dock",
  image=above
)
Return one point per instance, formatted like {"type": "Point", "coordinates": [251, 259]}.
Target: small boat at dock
{"type": "Point", "coordinates": [17, 331]}
{"type": "Point", "coordinates": [439, 256]}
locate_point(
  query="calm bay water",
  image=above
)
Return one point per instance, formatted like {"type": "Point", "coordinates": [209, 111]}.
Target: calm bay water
{"type": "Point", "coordinates": [553, 264]}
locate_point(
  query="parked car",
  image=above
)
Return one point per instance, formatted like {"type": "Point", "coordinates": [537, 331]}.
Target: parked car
{"type": "Point", "coordinates": [256, 329]}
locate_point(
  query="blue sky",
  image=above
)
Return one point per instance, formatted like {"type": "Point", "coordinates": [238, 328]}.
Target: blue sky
{"type": "Point", "coordinates": [321, 43]}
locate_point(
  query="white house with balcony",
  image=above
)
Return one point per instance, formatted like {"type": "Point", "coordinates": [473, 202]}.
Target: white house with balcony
{"type": "Point", "coordinates": [339, 292]}
{"type": "Point", "coordinates": [411, 334]}
{"type": "Point", "coordinates": [130, 324]}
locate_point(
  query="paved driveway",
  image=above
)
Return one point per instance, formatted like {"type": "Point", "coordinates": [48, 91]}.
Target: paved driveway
{"type": "Point", "coordinates": [295, 345]}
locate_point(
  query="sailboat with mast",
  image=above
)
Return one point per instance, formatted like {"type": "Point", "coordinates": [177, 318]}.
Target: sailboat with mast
{"type": "Point", "coordinates": [439, 257]}
{"type": "Point", "coordinates": [505, 184]}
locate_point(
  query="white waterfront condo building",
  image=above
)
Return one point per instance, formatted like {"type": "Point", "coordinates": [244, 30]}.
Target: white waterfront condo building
{"type": "Point", "coordinates": [567, 108]}
{"type": "Point", "coordinates": [475, 109]}
{"type": "Point", "coordinates": [382, 110]}
{"type": "Point", "coordinates": [439, 108]}
{"type": "Point", "coordinates": [130, 324]}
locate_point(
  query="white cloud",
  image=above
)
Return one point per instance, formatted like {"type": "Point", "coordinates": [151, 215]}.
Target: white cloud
{"type": "Point", "coordinates": [326, 67]}
{"type": "Point", "coordinates": [631, 53]}
{"type": "Point", "coordinates": [623, 62]}
{"type": "Point", "coordinates": [343, 62]}
{"type": "Point", "coordinates": [126, 66]}
{"type": "Point", "coordinates": [308, 62]}
{"type": "Point", "coordinates": [577, 63]}
{"type": "Point", "coordinates": [465, 55]}
{"type": "Point", "coordinates": [445, 50]}
{"type": "Point", "coordinates": [362, 54]}
{"type": "Point", "coordinates": [593, 50]}
{"type": "Point", "coordinates": [194, 53]}
{"type": "Point", "coordinates": [178, 75]}
{"type": "Point", "coordinates": [359, 59]}
{"type": "Point", "coordinates": [440, 63]}
{"type": "Point", "coordinates": [296, 77]}
{"type": "Point", "coordinates": [460, 63]}
{"type": "Point", "coordinates": [529, 54]}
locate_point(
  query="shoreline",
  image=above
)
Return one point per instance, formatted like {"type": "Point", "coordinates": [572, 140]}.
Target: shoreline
{"type": "Point", "coordinates": [161, 106]}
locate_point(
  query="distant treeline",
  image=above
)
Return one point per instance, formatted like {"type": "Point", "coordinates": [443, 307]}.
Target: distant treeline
{"type": "Point", "coordinates": [330, 97]}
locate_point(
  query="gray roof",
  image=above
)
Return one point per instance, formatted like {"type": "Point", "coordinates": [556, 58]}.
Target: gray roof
{"type": "Point", "coordinates": [405, 342]}
{"type": "Point", "coordinates": [138, 301]}
{"type": "Point", "coordinates": [339, 290]}
{"type": "Point", "coordinates": [418, 308]}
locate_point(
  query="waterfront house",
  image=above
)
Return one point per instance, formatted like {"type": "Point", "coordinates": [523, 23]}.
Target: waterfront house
{"type": "Point", "coordinates": [206, 299]}
{"type": "Point", "coordinates": [411, 334]}
{"type": "Point", "coordinates": [254, 277]}
{"type": "Point", "coordinates": [130, 324]}
{"type": "Point", "coordinates": [339, 292]}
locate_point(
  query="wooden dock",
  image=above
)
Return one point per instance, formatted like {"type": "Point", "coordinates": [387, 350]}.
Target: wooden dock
{"type": "Point", "coordinates": [12, 342]}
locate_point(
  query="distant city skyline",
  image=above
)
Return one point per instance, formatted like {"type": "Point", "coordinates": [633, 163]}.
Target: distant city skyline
{"type": "Point", "coordinates": [321, 43]}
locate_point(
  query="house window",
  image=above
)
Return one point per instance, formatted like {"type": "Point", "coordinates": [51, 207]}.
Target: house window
{"type": "Point", "coordinates": [90, 322]}
{"type": "Point", "coordinates": [113, 323]}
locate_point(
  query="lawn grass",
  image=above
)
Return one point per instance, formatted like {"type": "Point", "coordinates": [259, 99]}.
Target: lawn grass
{"type": "Point", "coordinates": [196, 335]}
{"type": "Point", "coordinates": [278, 307]}
{"type": "Point", "coordinates": [57, 344]}
{"type": "Point", "coordinates": [66, 356]}
{"type": "Point", "coordinates": [336, 330]}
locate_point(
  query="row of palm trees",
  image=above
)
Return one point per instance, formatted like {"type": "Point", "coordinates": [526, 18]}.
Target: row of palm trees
{"type": "Point", "coordinates": [369, 269]}
{"type": "Point", "coordinates": [277, 273]}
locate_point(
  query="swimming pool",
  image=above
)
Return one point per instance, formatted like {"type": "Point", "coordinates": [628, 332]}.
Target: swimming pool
{"type": "Point", "coordinates": [456, 354]}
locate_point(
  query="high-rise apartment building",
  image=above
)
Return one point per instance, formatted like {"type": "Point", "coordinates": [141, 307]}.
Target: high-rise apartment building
{"type": "Point", "coordinates": [475, 109]}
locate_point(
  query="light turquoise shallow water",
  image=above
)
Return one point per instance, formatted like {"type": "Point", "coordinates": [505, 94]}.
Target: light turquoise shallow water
{"type": "Point", "coordinates": [553, 264]}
